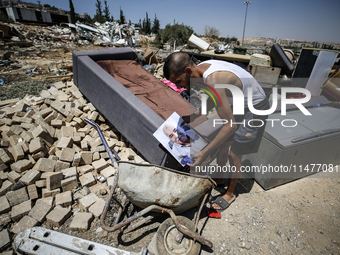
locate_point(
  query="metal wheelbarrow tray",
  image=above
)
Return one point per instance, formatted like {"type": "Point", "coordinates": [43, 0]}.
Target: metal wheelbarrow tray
{"type": "Point", "coordinates": [156, 188]}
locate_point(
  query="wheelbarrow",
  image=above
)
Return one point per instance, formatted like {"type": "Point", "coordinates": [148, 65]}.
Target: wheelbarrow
{"type": "Point", "coordinates": [157, 189]}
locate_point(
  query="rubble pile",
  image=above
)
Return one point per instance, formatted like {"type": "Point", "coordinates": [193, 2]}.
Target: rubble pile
{"type": "Point", "coordinates": [53, 165]}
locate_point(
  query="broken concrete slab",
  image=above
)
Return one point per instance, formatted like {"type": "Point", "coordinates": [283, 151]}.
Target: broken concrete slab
{"type": "Point", "coordinates": [81, 221]}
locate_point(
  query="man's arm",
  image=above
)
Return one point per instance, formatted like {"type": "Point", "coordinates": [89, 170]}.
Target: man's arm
{"type": "Point", "coordinates": [225, 112]}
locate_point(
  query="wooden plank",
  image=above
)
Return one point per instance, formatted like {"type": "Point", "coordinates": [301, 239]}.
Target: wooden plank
{"type": "Point", "coordinates": [228, 56]}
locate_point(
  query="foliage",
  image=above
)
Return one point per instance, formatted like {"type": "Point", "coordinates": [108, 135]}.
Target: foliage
{"type": "Point", "coordinates": [155, 26]}
{"type": "Point", "coordinates": [106, 11]}
{"type": "Point", "coordinates": [122, 18]}
{"type": "Point", "coordinates": [146, 28]}
{"type": "Point", "coordinates": [211, 31]}
{"type": "Point", "coordinates": [72, 13]}
{"type": "Point", "coordinates": [99, 13]}
{"type": "Point", "coordinates": [170, 33]}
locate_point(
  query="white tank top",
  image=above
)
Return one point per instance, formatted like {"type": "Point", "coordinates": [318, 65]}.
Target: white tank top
{"type": "Point", "coordinates": [247, 80]}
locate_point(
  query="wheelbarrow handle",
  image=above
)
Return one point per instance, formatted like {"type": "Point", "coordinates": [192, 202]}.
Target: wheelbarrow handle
{"type": "Point", "coordinates": [108, 149]}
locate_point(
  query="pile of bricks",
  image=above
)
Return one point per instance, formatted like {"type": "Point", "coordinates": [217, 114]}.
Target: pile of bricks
{"type": "Point", "coordinates": [50, 160]}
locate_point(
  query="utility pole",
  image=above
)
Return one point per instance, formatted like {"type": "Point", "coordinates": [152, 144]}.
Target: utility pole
{"type": "Point", "coordinates": [245, 19]}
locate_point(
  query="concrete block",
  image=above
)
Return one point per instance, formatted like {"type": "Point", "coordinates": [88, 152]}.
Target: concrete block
{"type": "Point", "coordinates": [69, 172]}
{"type": "Point", "coordinates": [93, 116]}
{"type": "Point", "coordinates": [18, 152]}
{"type": "Point", "coordinates": [25, 146]}
{"type": "Point", "coordinates": [53, 181]}
{"type": "Point", "coordinates": [17, 196]}
{"type": "Point", "coordinates": [13, 176]}
{"type": "Point", "coordinates": [97, 208]}
{"type": "Point", "coordinates": [21, 165]}
{"type": "Point", "coordinates": [4, 205]}
{"type": "Point", "coordinates": [67, 131]}
{"type": "Point", "coordinates": [39, 131]}
{"type": "Point", "coordinates": [83, 146]}
{"type": "Point", "coordinates": [27, 136]}
{"type": "Point", "coordinates": [58, 216]}
{"type": "Point", "coordinates": [108, 172]}
{"type": "Point", "coordinates": [50, 193]}
{"type": "Point", "coordinates": [86, 157]}
{"type": "Point", "coordinates": [36, 145]}
{"type": "Point", "coordinates": [21, 210]}
{"type": "Point", "coordinates": [99, 165]}
{"type": "Point", "coordinates": [76, 159]}
{"type": "Point", "coordinates": [40, 210]}
{"type": "Point", "coordinates": [57, 123]}
{"type": "Point", "coordinates": [60, 165]}
{"type": "Point", "coordinates": [25, 222]}
{"type": "Point", "coordinates": [59, 107]}
{"type": "Point", "coordinates": [64, 199]}
{"type": "Point", "coordinates": [84, 169]}
{"type": "Point", "coordinates": [53, 115]}
{"type": "Point", "coordinates": [81, 221]}
{"type": "Point", "coordinates": [46, 112]}
{"type": "Point", "coordinates": [39, 154]}
{"type": "Point", "coordinates": [87, 180]}
{"type": "Point", "coordinates": [41, 183]}
{"type": "Point", "coordinates": [5, 156]}
{"type": "Point", "coordinates": [30, 177]}
{"type": "Point", "coordinates": [87, 201]}
{"type": "Point", "coordinates": [6, 186]}
{"type": "Point", "coordinates": [45, 165]}
{"type": "Point", "coordinates": [67, 154]}
{"type": "Point", "coordinates": [47, 200]}
{"type": "Point", "coordinates": [69, 184]}
{"type": "Point", "coordinates": [65, 142]}
{"type": "Point", "coordinates": [5, 240]}
{"type": "Point", "coordinates": [32, 191]}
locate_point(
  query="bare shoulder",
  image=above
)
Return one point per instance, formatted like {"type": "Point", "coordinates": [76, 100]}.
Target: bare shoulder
{"type": "Point", "coordinates": [223, 77]}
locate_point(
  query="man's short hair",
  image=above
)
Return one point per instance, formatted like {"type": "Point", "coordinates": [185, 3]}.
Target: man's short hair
{"type": "Point", "coordinates": [176, 64]}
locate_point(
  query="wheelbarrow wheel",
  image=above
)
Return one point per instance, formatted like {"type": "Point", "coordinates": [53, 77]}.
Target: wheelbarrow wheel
{"type": "Point", "coordinates": [166, 238]}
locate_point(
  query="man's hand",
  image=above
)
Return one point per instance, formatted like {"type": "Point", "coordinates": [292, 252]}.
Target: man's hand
{"type": "Point", "coordinates": [197, 159]}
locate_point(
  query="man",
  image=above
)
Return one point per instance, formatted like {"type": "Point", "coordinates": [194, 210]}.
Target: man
{"type": "Point", "coordinates": [241, 139]}
{"type": "Point", "coordinates": [184, 142]}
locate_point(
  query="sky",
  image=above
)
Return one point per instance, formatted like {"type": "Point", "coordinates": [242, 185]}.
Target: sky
{"type": "Point", "coordinates": [313, 20]}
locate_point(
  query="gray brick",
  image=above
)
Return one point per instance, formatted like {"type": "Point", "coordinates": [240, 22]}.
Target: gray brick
{"type": "Point", "coordinates": [4, 205]}
{"type": "Point", "coordinates": [69, 172]}
{"type": "Point", "coordinates": [69, 184]}
{"type": "Point", "coordinates": [64, 199]}
{"type": "Point", "coordinates": [86, 157]}
{"type": "Point", "coordinates": [99, 164]}
{"type": "Point", "coordinates": [5, 240]}
{"type": "Point", "coordinates": [40, 210]}
{"type": "Point", "coordinates": [97, 208]}
{"type": "Point", "coordinates": [36, 145]}
{"type": "Point", "coordinates": [53, 181]}
{"type": "Point", "coordinates": [84, 169]}
{"type": "Point", "coordinates": [6, 186]}
{"type": "Point", "coordinates": [65, 142]}
{"type": "Point", "coordinates": [60, 165]}
{"type": "Point", "coordinates": [58, 216]}
{"type": "Point", "coordinates": [87, 201]}
{"type": "Point", "coordinates": [87, 180]}
{"type": "Point", "coordinates": [108, 172]}
{"type": "Point", "coordinates": [81, 221]}
{"type": "Point", "coordinates": [18, 152]}
{"type": "Point", "coordinates": [45, 165]}
{"type": "Point", "coordinates": [40, 183]}
{"type": "Point", "coordinates": [67, 154]}
{"type": "Point", "coordinates": [32, 192]}
{"type": "Point", "coordinates": [5, 156]}
{"type": "Point", "coordinates": [25, 222]}
{"type": "Point", "coordinates": [50, 193]}
{"type": "Point", "coordinates": [30, 177]}
{"type": "Point", "coordinates": [17, 196]}
{"type": "Point", "coordinates": [13, 176]}
{"type": "Point", "coordinates": [39, 131]}
{"type": "Point", "coordinates": [21, 165]}
{"type": "Point", "coordinates": [21, 210]}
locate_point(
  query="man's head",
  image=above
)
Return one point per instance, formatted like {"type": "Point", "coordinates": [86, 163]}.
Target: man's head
{"type": "Point", "coordinates": [176, 134]}
{"type": "Point", "coordinates": [178, 69]}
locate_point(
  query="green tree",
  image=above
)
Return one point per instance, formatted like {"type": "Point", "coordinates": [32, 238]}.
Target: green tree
{"type": "Point", "coordinates": [99, 13]}
{"type": "Point", "coordinates": [155, 26]}
{"type": "Point", "coordinates": [72, 13]}
{"type": "Point", "coordinates": [146, 25]}
{"type": "Point", "coordinates": [122, 18]}
{"type": "Point", "coordinates": [170, 33]}
{"type": "Point", "coordinates": [106, 11]}
{"type": "Point", "coordinates": [211, 31]}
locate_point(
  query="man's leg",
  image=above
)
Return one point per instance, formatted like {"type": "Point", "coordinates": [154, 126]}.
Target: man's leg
{"type": "Point", "coordinates": [222, 159]}
{"type": "Point", "coordinates": [229, 196]}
